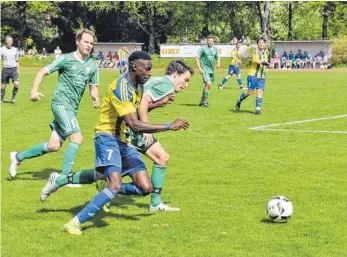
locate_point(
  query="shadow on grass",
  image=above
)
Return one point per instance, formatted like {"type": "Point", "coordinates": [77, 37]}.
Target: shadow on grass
{"type": "Point", "coordinates": [191, 105]}
{"type": "Point", "coordinates": [121, 202]}
{"type": "Point", "coordinates": [39, 175]}
{"type": "Point", "coordinates": [241, 111]}
{"type": "Point", "coordinates": [270, 221]}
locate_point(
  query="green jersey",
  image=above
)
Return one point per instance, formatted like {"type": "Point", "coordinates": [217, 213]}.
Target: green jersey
{"type": "Point", "coordinates": [159, 87]}
{"type": "Point", "coordinates": [74, 76]}
{"type": "Point", "coordinates": [208, 57]}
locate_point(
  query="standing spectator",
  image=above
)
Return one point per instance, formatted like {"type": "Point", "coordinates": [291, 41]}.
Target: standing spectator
{"type": "Point", "coordinates": [277, 60]}
{"type": "Point", "coordinates": [115, 59]}
{"type": "Point", "coordinates": [57, 52]}
{"type": "Point", "coordinates": [10, 68]}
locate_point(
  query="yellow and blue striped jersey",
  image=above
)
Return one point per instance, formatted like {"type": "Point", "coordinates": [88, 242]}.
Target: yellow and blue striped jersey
{"type": "Point", "coordinates": [122, 53]}
{"type": "Point", "coordinates": [258, 70]}
{"type": "Point", "coordinates": [235, 55]}
{"type": "Point", "coordinates": [121, 99]}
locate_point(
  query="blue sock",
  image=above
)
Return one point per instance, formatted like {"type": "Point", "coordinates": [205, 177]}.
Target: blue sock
{"type": "Point", "coordinates": [240, 82]}
{"type": "Point", "coordinates": [130, 189]}
{"type": "Point", "coordinates": [224, 80]}
{"type": "Point", "coordinates": [243, 96]}
{"type": "Point", "coordinates": [258, 103]}
{"type": "Point", "coordinates": [94, 206]}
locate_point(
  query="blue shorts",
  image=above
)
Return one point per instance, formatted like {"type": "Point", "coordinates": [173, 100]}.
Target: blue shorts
{"type": "Point", "coordinates": [234, 70]}
{"type": "Point", "coordinates": [255, 83]}
{"type": "Point", "coordinates": [123, 63]}
{"type": "Point", "coordinates": [110, 151]}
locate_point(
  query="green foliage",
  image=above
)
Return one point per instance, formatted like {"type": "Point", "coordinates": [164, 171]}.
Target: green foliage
{"type": "Point", "coordinates": [339, 47]}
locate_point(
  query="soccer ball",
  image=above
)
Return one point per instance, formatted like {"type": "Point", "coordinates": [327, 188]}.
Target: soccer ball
{"type": "Point", "coordinates": [280, 207]}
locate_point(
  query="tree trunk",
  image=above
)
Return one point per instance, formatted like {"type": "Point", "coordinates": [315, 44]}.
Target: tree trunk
{"type": "Point", "coordinates": [260, 16]}
{"type": "Point", "coordinates": [266, 20]}
{"type": "Point", "coordinates": [290, 21]}
{"type": "Point", "coordinates": [325, 21]}
{"type": "Point", "coordinates": [151, 45]}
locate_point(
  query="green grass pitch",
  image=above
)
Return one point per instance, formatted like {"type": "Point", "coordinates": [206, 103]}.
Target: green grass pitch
{"type": "Point", "coordinates": [221, 174]}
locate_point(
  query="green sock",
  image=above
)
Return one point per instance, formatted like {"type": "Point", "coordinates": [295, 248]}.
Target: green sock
{"type": "Point", "coordinates": [33, 152]}
{"type": "Point", "coordinates": [69, 157]}
{"type": "Point", "coordinates": [158, 177]}
{"type": "Point", "coordinates": [82, 177]}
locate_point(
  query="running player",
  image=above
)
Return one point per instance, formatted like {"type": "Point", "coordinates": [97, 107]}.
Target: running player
{"type": "Point", "coordinates": [234, 68]}
{"type": "Point", "coordinates": [256, 76]}
{"type": "Point", "coordinates": [76, 71]}
{"type": "Point", "coordinates": [123, 65]}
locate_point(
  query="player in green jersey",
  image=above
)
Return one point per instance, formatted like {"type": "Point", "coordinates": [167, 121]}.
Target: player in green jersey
{"type": "Point", "coordinates": [206, 60]}
{"type": "Point", "coordinates": [76, 71]}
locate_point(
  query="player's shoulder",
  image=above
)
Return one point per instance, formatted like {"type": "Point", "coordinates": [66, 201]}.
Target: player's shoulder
{"type": "Point", "coordinates": [119, 88]}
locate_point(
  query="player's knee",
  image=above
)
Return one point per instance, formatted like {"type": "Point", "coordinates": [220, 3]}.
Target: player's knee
{"type": "Point", "coordinates": [249, 92]}
{"type": "Point", "coordinates": [16, 84]}
{"type": "Point", "coordinates": [54, 146]}
{"type": "Point", "coordinates": [163, 159]}
{"type": "Point", "coordinates": [78, 139]}
{"type": "Point", "coordinates": [115, 187]}
{"type": "Point", "coordinates": [147, 189]}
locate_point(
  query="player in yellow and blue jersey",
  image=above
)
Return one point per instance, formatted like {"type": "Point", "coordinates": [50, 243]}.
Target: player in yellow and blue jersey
{"type": "Point", "coordinates": [234, 67]}
{"type": "Point", "coordinates": [123, 53]}
{"type": "Point", "coordinates": [115, 157]}
{"type": "Point", "coordinates": [256, 76]}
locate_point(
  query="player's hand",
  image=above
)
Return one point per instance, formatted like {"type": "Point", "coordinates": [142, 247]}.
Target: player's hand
{"type": "Point", "coordinates": [96, 103]}
{"type": "Point", "coordinates": [201, 71]}
{"type": "Point", "coordinates": [179, 124]}
{"type": "Point", "coordinates": [171, 98]}
{"type": "Point", "coordinates": [167, 100]}
{"type": "Point", "coordinates": [18, 70]}
{"type": "Point", "coordinates": [35, 96]}
{"type": "Point", "coordinates": [218, 66]}
{"type": "Point", "coordinates": [147, 139]}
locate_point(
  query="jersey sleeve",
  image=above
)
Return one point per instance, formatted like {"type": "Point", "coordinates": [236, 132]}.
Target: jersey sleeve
{"type": "Point", "coordinates": [94, 79]}
{"type": "Point", "coordinates": [121, 100]}
{"type": "Point", "coordinates": [217, 54]}
{"type": "Point", "coordinates": [160, 90]}
{"type": "Point", "coordinates": [255, 56]}
{"type": "Point", "coordinates": [55, 65]}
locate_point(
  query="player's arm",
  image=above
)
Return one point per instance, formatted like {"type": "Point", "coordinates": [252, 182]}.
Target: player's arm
{"type": "Point", "coordinates": [94, 93]}
{"type": "Point", "coordinates": [17, 61]}
{"type": "Point", "coordinates": [218, 60]}
{"type": "Point", "coordinates": [197, 61]}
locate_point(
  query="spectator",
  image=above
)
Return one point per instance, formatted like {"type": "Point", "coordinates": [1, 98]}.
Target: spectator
{"type": "Point", "coordinates": [285, 55]}
{"type": "Point", "coordinates": [44, 54]}
{"type": "Point", "coordinates": [318, 58]}
{"type": "Point", "coordinates": [284, 63]}
{"type": "Point", "coordinates": [115, 59]}
{"type": "Point", "coordinates": [100, 59]}
{"type": "Point", "coordinates": [234, 41]}
{"type": "Point", "coordinates": [57, 52]}
{"type": "Point", "coordinates": [277, 60]}
{"type": "Point", "coordinates": [297, 59]}
{"type": "Point", "coordinates": [309, 60]}
{"type": "Point", "coordinates": [242, 40]}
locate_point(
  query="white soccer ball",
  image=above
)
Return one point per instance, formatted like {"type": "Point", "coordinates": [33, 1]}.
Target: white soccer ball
{"type": "Point", "coordinates": [280, 207]}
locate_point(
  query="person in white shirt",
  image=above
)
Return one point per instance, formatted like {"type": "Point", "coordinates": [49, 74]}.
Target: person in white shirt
{"type": "Point", "coordinates": [57, 52]}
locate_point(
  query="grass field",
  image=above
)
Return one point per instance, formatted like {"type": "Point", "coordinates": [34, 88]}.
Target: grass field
{"type": "Point", "coordinates": [221, 174]}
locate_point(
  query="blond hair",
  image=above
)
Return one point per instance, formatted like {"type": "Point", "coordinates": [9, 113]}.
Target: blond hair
{"type": "Point", "coordinates": [80, 33]}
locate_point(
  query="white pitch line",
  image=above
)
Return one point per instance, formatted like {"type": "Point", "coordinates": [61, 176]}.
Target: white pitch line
{"type": "Point", "coordinates": [305, 131]}
{"type": "Point", "coordinates": [297, 122]}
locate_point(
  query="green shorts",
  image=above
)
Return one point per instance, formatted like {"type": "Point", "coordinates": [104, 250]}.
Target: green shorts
{"type": "Point", "coordinates": [65, 122]}
{"type": "Point", "coordinates": [139, 144]}
{"type": "Point", "coordinates": [207, 77]}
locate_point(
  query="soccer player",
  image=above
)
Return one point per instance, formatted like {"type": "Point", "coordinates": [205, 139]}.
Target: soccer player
{"type": "Point", "coordinates": [10, 68]}
{"type": "Point", "coordinates": [233, 67]}
{"type": "Point", "coordinates": [205, 61]}
{"type": "Point", "coordinates": [114, 156]}
{"type": "Point", "coordinates": [158, 92]}
{"type": "Point", "coordinates": [76, 71]}
{"type": "Point", "coordinates": [256, 76]}
{"type": "Point", "coordinates": [122, 53]}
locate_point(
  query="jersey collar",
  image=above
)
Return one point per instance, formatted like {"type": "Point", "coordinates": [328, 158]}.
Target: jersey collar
{"type": "Point", "coordinates": [78, 59]}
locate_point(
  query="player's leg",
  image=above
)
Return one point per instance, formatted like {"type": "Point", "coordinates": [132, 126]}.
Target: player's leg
{"type": "Point", "coordinates": [226, 78]}
{"type": "Point", "coordinates": [5, 79]}
{"type": "Point", "coordinates": [251, 83]}
{"type": "Point", "coordinates": [208, 82]}
{"type": "Point", "coordinates": [15, 80]}
{"type": "Point", "coordinates": [114, 178]}
{"type": "Point", "coordinates": [238, 75]}
{"type": "Point", "coordinates": [259, 99]}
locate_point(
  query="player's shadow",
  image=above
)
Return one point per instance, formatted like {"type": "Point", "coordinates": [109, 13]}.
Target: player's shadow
{"type": "Point", "coordinates": [123, 201]}
{"type": "Point", "coordinates": [190, 105]}
{"type": "Point", "coordinates": [270, 221]}
{"type": "Point", "coordinates": [39, 175]}
{"type": "Point", "coordinates": [241, 111]}
{"type": "Point", "coordinates": [97, 220]}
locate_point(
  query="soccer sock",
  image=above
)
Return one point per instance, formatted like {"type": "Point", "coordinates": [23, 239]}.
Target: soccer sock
{"type": "Point", "coordinates": [224, 80]}
{"type": "Point", "coordinates": [3, 90]}
{"type": "Point", "coordinates": [258, 103]}
{"type": "Point", "coordinates": [14, 92]}
{"type": "Point", "coordinates": [158, 177]}
{"type": "Point", "coordinates": [243, 96]}
{"type": "Point", "coordinates": [82, 177]}
{"type": "Point", "coordinates": [33, 152]}
{"type": "Point", "coordinates": [240, 82]}
{"type": "Point", "coordinates": [69, 157]}
{"type": "Point", "coordinates": [204, 97]}
{"type": "Point", "coordinates": [131, 189]}
{"type": "Point", "coordinates": [94, 206]}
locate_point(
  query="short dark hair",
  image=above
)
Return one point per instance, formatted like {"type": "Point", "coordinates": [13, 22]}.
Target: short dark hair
{"type": "Point", "coordinates": [139, 55]}
{"type": "Point", "coordinates": [178, 66]}
{"type": "Point", "coordinates": [261, 38]}
{"type": "Point", "coordinates": [80, 33]}
{"type": "Point", "coordinates": [209, 36]}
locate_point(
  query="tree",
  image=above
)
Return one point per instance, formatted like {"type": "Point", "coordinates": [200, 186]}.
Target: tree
{"type": "Point", "coordinates": [264, 18]}
{"type": "Point", "coordinates": [328, 9]}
